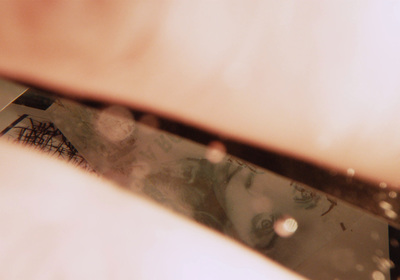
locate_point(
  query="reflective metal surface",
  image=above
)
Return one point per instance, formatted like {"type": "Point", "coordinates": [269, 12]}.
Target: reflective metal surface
{"type": "Point", "coordinates": [9, 91]}
{"type": "Point", "coordinates": [319, 223]}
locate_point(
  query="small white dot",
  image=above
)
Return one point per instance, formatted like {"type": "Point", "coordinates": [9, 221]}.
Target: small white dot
{"type": "Point", "coordinates": [285, 227]}
{"type": "Point", "coordinates": [382, 185]}
{"type": "Point", "coordinates": [391, 214]}
{"type": "Point", "coordinates": [351, 172]}
{"type": "Point", "coordinates": [392, 194]}
{"type": "Point", "coordinates": [385, 205]}
{"type": "Point", "coordinates": [216, 151]}
{"type": "Point", "coordinates": [377, 275]}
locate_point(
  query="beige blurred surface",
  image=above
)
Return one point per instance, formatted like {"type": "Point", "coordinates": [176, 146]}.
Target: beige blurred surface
{"type": "Point", "coordinates": [315, 79]}
{"type": "Point", "coordinates": [9, 92]}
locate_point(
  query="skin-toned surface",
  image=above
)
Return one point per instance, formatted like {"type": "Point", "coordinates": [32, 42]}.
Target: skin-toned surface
{"type": "Point", "coordinates": [316, 79]}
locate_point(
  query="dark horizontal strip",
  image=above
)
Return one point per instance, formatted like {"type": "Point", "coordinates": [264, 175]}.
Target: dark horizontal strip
{"type": "Point", "coordinates": [360, 193]}
{"type": "Point", "coordinates": [34, 98]}
{"type": "Point", "coordinates": [14, 123]}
